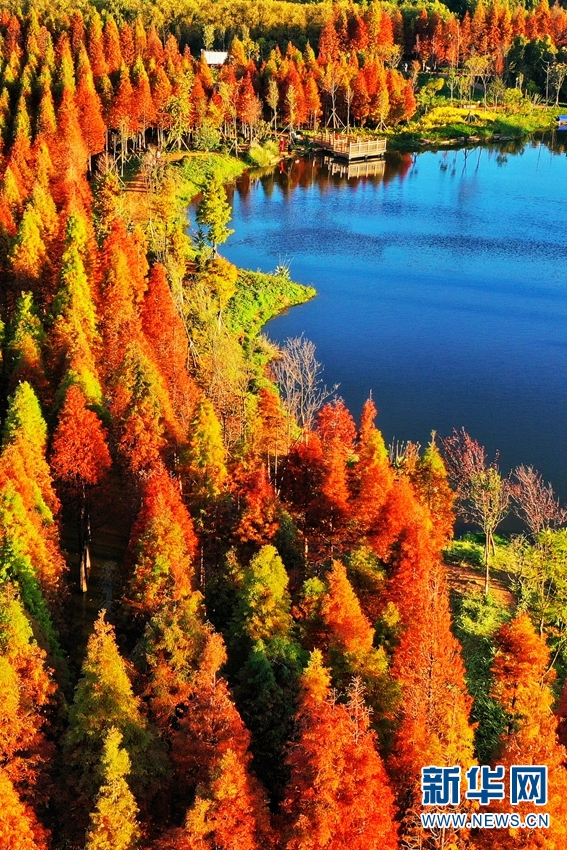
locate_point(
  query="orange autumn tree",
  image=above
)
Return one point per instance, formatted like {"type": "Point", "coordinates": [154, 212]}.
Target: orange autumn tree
{"type": "Point", "coordinates": [210, 723]}
{"type": "Point", "coordinates": [339, 794]}
{"type": "Point", "coordinates": [121, 117]}
{"type": "Point", "coordinates": [337, 432]}
{"type": "Point", "coordinates": [70, 151]}
{"type": "Point", "coordinates": [350, 640]}
{"type": "Point", "coordinates": [271, 432]}
{"type": "Point", "coordinates": [142, 406]}
{"type": "Point", "coordinates": [431, 483]}
{"type": "Point", "coordinates": [433, 714]}
{"type": "Point", "coordinates": [162, 546]}
{"type": "Point", "coordinates": [79, 453]}
{"type": "Point", "coordinates": [89, 107]}
{"type": "Point", "coordinates": [124, 268]}
{"type": "Point", "coordinates": [230, 814]}
{"type": "Point", "coordinates": [167, 335]}
{"type": "Point", "coordinates": [390, 523]}
{"type": "Point", "coordinates": [26, 700]}
{"type": "Point", "coordinates": [210, 751]}
{"type": "Point", "coordinates": [19, 827]}
{"type": "Point", "coordinates": [147, 430]}
{"type": "Point", "coordinates": [522, 684]}
{"type": "Point", "coordinates": [144, 105]}
{"type": "Point", "coordinates": [80, 460]}
{"type": "Point", "coordinates": [373, 474]}
{"type": "Point", "coordinates": [137, 413]}
{"type": "Point", "coordinates": [258, 519]}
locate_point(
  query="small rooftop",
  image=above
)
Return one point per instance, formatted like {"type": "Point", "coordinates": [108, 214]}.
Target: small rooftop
{"type": "Point", "coordinates": [214, 57]}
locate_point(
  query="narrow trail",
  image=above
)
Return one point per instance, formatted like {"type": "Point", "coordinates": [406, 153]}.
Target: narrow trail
{"type": "Point", "coordinates": [462, 579]}
{"type": "Point", "coordinates": [136, 198]}
{"type": "Point", "coordinates": [135, 195]}
{"type": "Point", "coordinates": [110, 535]}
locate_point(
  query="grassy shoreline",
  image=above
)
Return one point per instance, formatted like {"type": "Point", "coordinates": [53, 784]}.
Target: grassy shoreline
{"type": "Point", "coordinates": [473, 124]}
{"type": "Point", "coordinates": [450, 125]}
{"type": "Point", "coordinates": [445, 125]}
{"type": "Point", "coordinates": [259, 296]}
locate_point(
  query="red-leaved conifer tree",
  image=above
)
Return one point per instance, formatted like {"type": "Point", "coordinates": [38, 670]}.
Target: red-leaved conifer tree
{"type": "Point", "coordinates": [339, 794]}
{"type": "Point", "coordinates": [80, 460]}
{"type": "Point", "coordinates": [522, 684]}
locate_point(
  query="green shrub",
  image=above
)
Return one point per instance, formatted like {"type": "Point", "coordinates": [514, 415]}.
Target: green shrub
{"type": "Point", "coordinates": [206, 138]}
{"type": "Point", "coordinates": [262, 155]}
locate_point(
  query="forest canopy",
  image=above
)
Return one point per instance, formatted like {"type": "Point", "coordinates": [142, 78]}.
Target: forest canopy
{"type": "Point", "coordinates": [274, 653]}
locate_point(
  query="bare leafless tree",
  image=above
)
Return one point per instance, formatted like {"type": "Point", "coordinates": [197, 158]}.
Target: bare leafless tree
{"type": "Point", "coordinates": [535, 501]}
{"type": "Point", "coordinates": [483, 496]}
{"type": "Point", "coordinates": [557, 78]}
{"type": "Point", "coordinates": [297, 373]}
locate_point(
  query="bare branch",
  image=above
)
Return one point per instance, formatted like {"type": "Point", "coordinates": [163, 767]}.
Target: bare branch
{"type": "Point", "coordinates": [483, 496]}
{"type": "Point", "coordinates": [535, 501]}
{"type": "Point", "coordinates": [297, 373]}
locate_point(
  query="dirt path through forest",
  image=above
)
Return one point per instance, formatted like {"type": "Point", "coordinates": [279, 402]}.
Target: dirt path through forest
{"type": "Point", "coordinates": [462, 578]}
{"type": "Point", "coordinates": [110, 534]}
{"type": "Point", "coordinates": [135, 191]}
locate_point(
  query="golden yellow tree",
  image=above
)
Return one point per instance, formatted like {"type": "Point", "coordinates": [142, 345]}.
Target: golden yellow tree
{"type": "Point", "coordinates": [113, 822]}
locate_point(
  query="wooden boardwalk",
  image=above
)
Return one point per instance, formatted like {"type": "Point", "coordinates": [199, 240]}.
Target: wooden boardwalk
{"type": "Point", "coordinates": [345, 147]}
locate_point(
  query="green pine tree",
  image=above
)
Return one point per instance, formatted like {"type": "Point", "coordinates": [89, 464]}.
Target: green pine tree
{"type": "Point", "coordinates": [214, 213]}
{"type": "Point", "coordinates": [25, 341]}
{"type": "Point", "coordinates": [206, 458]}
{"type": "Point", "coordinates": [104, 698]}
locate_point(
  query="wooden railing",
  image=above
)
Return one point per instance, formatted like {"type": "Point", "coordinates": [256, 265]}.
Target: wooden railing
{"type": "Point", "coordinates": [360, 168]}
{"type": "Point", "coordinates": [343, 145]}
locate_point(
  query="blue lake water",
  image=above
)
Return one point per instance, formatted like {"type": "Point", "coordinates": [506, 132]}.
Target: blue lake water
{"type": "Point", "coordinates": [442, 288]}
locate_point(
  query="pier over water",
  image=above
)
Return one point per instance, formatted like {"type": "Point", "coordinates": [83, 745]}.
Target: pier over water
{"type": "Point", "coordinates": [344, 146]}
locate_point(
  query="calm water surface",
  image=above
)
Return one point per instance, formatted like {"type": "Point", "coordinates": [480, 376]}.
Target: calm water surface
{"type": "Point", "coordinates": [442, 289]}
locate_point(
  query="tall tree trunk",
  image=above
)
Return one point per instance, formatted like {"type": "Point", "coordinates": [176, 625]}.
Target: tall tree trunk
{"type": "Point", "coordinates": [84, 542]}
{"type": "Point", "coordinates": [487, 548]}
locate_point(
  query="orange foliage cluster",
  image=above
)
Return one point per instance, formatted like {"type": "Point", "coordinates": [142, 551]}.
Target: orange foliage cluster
{"type": "Point", "coordinates": [349, 675]}
{"type": "Point", "coordinates": [489, 31]}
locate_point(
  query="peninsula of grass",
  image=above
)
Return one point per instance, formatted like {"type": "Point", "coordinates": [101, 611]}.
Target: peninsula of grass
{"type": "Point", "coordinates": [194, 171]}
{"type": "Point", "coordinates": [260, 297]}
{"type": "Point", "coordinates": [449, 125]}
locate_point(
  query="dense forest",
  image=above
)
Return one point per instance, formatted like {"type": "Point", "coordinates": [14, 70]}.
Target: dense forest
{"type": "Point", "coordinates": [276, 658]}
